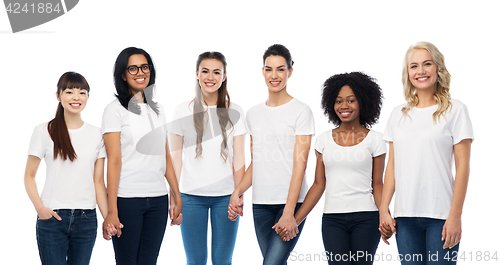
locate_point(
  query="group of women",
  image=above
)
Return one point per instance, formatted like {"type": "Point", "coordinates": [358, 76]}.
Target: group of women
{"type": "Point", "coordinates": [203, 162]}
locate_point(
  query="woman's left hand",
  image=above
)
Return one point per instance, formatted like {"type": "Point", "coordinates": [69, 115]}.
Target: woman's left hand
{"type": "Point", "coordinates": [288, 225]}
{"type": "Point", "coordinates": [452, 232]}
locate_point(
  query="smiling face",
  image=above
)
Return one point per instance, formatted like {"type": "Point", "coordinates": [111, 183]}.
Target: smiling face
{"type": "Point", "coordinates": [136, 83]}
{"type": "Point", "coordinates": [73, 100]}
{"type": "Point", "coordinates": [346, 105]}
{"type": "Point", "coordinates": [422, 70]}
{"type": "Point", "coordinates": [210, 75]}
{"type": "Point", "coordinates": [276, 73]}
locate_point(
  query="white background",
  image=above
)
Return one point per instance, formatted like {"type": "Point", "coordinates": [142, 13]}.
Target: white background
{"type": "Point", "coordinates": [324, 37]}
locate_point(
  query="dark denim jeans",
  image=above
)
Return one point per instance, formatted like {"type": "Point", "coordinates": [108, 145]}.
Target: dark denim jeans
{"type": "Point", "coordinates": [144, 222]}
{"type": "Point", "coordinates": [274, 250]}
{"type": "Point", "coordinates": [195, 212]}
{"type": "Point", "coordinates": [351, 238]}
{"type": "Point", "coordinates": [69, 241]}
{"type": "Point", "coordinates": [419, 242]}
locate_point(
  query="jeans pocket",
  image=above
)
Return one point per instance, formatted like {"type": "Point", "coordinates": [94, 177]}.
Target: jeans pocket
{"type": "Point", "coordinates": [184, 195]}
{"type": "Point", "coordinates": [90, 214]}
{"type": "Point", "coordinates": [42, 220]}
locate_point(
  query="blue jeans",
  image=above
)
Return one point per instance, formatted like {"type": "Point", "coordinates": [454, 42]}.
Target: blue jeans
{"type": "Point", "coordinates": [274, 250]}
{"type": "Point", "coordinates": [194, 229]}
{"type": "Point", "coordinates": [144, 221]}
{"type": "Point", "coordinates": [69, 241]}
{"type": "Point", "coordinates": [419, 241]}
{"type": "Point", "coordinates": [351, 238]}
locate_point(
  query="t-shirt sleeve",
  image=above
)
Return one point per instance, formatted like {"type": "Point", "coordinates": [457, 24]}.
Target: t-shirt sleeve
{"type": "Point", "coordinates": [462, 126]}
{"type": "Point", "coordinates": [248, 128]}
{"type": "Point", "coordinates": [379, 145]}
{"type": "Point", "coordinates": [388, 137]}
{"type": "Point", "coordinates": [102, 150]}
{"type": "Point", "coordinates": [36, 147]}
{"type": "Point", "coordinates": [305, 122]}
{"type": "Point", "coordinates": [319, 145]}
{"type": "Point", "coordinates": [111, 119]}
{"type": "Point", "coordinates": [239, 125]}
{"type": "Point", "coordinates": [175, 127]}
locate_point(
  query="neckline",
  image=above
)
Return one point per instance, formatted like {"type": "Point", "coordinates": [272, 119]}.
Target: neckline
{"type": "Point", "coordinates": [78, 129]}
{"type": "Point", "coordinates": [333, 140]}
{"type": "Point", "coordinates": [280, 106]}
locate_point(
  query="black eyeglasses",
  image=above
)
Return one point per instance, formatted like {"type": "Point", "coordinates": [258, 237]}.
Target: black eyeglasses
{"type": "Point", "coordinates": [134, 69]}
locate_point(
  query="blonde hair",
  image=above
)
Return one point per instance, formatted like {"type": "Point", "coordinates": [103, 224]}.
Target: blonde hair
{"type": "Point", "coordinates": [442, 93]}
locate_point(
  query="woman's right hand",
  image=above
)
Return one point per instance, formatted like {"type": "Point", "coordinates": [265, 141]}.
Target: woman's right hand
{"type": "Point", "coordinates": [235, 206]}
{"type": "Point", "coordinates": [45, 213]}
{"type": "Point", "coordinates": [110, 225]}
{"type": "Point", "coordinates": [387, 226]}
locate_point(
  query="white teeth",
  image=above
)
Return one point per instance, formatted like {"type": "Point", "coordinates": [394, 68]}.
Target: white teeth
{"type": "Point", "coordinates": [422, 78]}
{"type": "Point", "coordinates": [140, 80]}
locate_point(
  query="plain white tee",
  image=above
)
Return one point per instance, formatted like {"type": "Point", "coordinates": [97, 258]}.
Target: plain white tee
{"type": "Point", "coordinates": [69, 185]}
{"type": "Point", "coordinates": [273, 131]}
{"type": "Point", "coordinates": [423, 158]}
{"type": "Point", "coordinates": [348, 172]}
{"type": "Point", "coordinates": [143, 139]}
{"type": "Point", "coordinates": [208, 175]}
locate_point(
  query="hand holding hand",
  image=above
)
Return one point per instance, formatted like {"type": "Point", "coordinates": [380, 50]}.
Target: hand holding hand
{"type": "Point", "coordinates": [387, 227]}
{"type": "Point", "coordinates": [286, 227]}
{"type": "Point", "coordinates": [235, 207]}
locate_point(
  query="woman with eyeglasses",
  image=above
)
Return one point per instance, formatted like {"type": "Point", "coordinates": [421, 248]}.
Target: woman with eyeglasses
{"type": "Point", "coordinates": [74, 156]}
{"type": "Point", "coordinates": [134, 132]}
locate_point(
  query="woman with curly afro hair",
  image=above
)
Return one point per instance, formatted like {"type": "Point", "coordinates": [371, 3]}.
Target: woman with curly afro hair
{"type": "Point", "coordinates": [349, 166]}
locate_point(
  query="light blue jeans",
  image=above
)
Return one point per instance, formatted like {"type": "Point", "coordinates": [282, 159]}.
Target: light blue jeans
{"type": "Point", "coordinates": [196, 211]}
{"type": "Point", "coordinates": [419, 242]}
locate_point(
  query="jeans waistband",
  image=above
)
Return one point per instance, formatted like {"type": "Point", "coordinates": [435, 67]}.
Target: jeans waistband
{"type": "Point", "coordinates": [74, 211]}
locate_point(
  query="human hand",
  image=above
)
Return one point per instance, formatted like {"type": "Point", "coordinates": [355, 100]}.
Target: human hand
{"type": "Point", "coordinates": [176, 212]}
{"type": "Point", "coordinates": [387, 227]}
{"type": "Point", "coordinates": [452, 232]}
{"type": "Point", "coordinates": [111, 231]}
{"type": "Point", "coordinates": [235, 207]}
{"type": "Point", "coordinates": [45, 213]}
{"type": "Point", "coordinates": [286, 227]}
{"type": "Point", "coordinates": [111, 226]}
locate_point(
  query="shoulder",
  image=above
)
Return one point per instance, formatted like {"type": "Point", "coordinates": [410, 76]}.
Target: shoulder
{"type": "Point", "coordinates": [93, 129]}
{"type": "Point", "coordinates": [256, 108]}
{"type": "Point", "coordinates": [457, 104]}
{"type": "Point", "coordinates": [235, 106]}
{"type": "Point", "coordinates": [296, 103]}
{"type": "Point", "coordinates": [114, 106]}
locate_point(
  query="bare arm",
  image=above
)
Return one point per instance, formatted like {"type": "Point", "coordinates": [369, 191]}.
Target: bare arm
{"type": "Point", "coordinates": [176, 201]}
{"type": "Point", "coordinates": [388, 191]}
{"type": "Point", "coordinates": [235, 207]}
{"type": "Point", "coordinates": [113, 150]}
{"type": "Point", "coordinates": [100, 187]}
{"type": "Point", "coordinates": [315, 192]}
{"type": "Point", "coordinates": [300, 155]}
{"type": "Point", "coordinates": [377, 178]}
{"type": "Point", "coordinates": [452, 229]}
{"type": "Point", "coordinates": [32, 191]}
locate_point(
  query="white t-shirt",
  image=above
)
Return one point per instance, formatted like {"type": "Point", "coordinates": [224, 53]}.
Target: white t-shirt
{"type": "Point", "coordinates": [69, 185]}
{"type": "Point", "coordinates": [348, 172]}
{"type": "Point", "coordinates": [273, 131]}
{"type": "Point", "coordinates": [207, 175]}
{"type": "Point", "coordinates": [423, 158]}
{"type": "Point", "coordinates": [143, 139]}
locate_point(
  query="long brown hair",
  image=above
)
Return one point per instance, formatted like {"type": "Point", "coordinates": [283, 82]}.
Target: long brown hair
{"type": "Point", "coordinates": [223, 103]}
{"type": "Point", "coordinates": [57, 128]}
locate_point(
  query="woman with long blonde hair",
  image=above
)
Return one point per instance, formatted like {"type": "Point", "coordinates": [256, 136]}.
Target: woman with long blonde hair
{"type": "Point", "coordinates": [426, 135]}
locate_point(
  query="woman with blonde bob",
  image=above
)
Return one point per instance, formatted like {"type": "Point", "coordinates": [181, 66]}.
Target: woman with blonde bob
{"type": "Point", "coordinates": [426, 136]}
